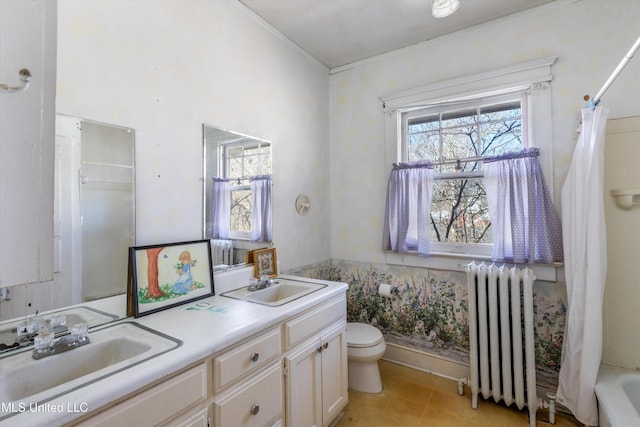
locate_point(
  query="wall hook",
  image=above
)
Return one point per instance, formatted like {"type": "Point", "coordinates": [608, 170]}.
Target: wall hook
{"type": "Point", "coordinates": [25, 78]}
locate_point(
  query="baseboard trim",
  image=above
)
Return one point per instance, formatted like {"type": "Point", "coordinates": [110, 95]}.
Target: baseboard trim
{"type": "Point", "coordinates": [426, 362]}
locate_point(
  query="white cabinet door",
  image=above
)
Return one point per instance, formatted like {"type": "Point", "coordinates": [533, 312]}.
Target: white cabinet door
{"type": "Point", "coordinates": [334, 373]}
{"type": "Point", "coordinates": [304, 386]}
{"type": "Point", "coordinates": [317, 379]}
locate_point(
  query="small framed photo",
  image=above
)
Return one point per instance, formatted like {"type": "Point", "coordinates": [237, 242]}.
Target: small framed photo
{"type": "Point", "coordinates": [265, 262]}
{"type": "Point", "coordinates": [167, 275]}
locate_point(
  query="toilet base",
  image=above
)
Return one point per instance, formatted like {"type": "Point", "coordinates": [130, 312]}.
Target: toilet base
{"type": "Point", "coordinates": [365, 377]}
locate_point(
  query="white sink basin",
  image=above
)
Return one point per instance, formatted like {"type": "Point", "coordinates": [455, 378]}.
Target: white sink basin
{"type": "Point", "coordinates": [112, 349]}
{"type": "Point", "coordinates": [282, 292]}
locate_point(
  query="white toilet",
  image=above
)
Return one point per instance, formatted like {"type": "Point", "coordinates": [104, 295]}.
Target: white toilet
{"type": "Point", "coordinates": [365, 346]}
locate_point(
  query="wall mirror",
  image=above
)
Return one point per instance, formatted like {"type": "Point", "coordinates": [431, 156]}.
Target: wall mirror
{"type": "Point", "coordinates": [94, 225]}
{"type": "Point", "coordinates": [236, 158]}
{"type": "Point", "coordinates": [94, 212]}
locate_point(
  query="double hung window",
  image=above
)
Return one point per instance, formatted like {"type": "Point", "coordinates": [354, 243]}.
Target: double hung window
{"type": "Point", "coordinates": [456, 139]}
{"type": "Point", "coordinates": [454, 125]}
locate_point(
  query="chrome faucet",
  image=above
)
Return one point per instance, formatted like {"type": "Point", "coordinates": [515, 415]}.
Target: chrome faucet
{"type": "Point", "coordinates": [262, 283]}
{"type": "Point", "coordinates": [45, 346]}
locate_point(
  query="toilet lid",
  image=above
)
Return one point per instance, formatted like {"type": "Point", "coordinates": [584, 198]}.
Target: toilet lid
{"type": "Point", "coordinates": [362, 335]}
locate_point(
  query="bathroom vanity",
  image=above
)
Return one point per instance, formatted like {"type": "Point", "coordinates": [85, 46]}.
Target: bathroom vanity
{"type": "Point", "coordinates": [235, 363]}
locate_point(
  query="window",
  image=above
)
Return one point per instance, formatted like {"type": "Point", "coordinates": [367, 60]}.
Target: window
{"type": "Point", "coordinates": [240, 161]}
{"type": "Point", "coordinates": [456, 139]}
{"type": "Point", "coordinates": [466, 119]}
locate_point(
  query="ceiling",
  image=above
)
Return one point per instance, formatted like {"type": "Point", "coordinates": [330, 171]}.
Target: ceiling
{"type": "Point", "coordinates": [339, 32]}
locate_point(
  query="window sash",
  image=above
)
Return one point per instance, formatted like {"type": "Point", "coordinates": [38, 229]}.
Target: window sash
{"type": "Point", "coordinates": [237, 159]}
{"type": "Point", "coordinates": [459, 110]}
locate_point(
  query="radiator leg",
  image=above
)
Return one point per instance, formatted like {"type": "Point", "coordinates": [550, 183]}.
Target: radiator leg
{"type": "Point", "coordinates": [552, 407]}
{"type": "Point", "coordinates": [461, 383]}
{"type": "Point", "coordinates": [532, 417]}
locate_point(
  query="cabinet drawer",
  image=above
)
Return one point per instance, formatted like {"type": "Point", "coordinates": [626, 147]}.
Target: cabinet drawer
{"type": "Point", "coordinates": [255, 403]}
{"type": "Point", "coordinates": [158, 403]}
{"type": "Point", "coordinates": [303, 326]}
{"type": "Point", "coordinates": [232, 364]}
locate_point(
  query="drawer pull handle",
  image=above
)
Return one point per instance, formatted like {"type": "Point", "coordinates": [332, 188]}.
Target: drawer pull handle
{"type": "Point", "coordinates": [319, 349]}
{"type": "Point", "coordinates": [255, 409]}
{"type": "Point", "coordinates": [325, 346]}
{"type": "Point", "coordinates": [254, 357]}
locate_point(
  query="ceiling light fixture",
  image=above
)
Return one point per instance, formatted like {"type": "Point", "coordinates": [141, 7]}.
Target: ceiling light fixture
{"type": "Point", "coordinates": [442, 8]}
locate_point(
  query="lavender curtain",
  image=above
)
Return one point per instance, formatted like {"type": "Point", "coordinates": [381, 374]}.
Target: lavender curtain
{"type": "Point", "coordinates": [526, 227]}
{"type": "Point", "coordinates": [220, 211]}
{"type": "Point", "coordinates": [261, 212]}
{"type": "Point", "coordinates": [407, 212]}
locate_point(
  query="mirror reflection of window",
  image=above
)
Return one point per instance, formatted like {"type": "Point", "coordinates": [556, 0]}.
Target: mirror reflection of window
{"type": "Point", "coordinates": [242, 160]}
{"type": "Point", "coordinates": [237, 187]}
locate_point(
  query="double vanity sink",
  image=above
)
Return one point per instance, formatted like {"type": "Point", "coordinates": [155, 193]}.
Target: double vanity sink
{"type": "Point", "coordinates": [29, 379]}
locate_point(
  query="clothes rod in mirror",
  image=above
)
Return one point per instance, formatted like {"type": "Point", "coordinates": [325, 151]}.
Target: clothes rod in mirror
{"type": "Point", "coordinates": [25, 78]}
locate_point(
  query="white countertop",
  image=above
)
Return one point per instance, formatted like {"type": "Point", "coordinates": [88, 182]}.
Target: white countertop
{"type": "Point", "coordinates": [205, 327]}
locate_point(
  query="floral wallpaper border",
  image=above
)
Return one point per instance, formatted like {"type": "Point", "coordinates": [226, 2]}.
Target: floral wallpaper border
{"type": "Point", "coordinates": [430, 313]}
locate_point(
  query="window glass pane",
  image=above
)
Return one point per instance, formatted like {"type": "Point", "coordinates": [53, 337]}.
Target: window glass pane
{"type": "Point", "coordinates": [265, 162]}
{"type": "Point", "coordinates": [458, 143]}
{"type": "Point", "coordinates": [423, 145]}
{"type": "Point", "coordinates": [241, 210]}
{"type": "Point", "coordinates": [459, 118]}
{"type": "Point", "coordinates": [235, 168]}
{"type": "Point", "coordinates": [501, 129]}
{"type": "Point", "coordinates": [459, 212]}
{"type": "Point", "coordinates": [234, 152]}
{"type": "Point", "coordinates": [500, 112]}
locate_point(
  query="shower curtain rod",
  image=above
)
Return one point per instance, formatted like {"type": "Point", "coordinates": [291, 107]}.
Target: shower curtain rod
{"type": "Point", "coordinates": [615, 73]}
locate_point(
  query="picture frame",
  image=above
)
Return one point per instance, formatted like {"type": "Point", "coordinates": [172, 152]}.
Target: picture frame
{"type": "Point", "coordinates": [249, 255]}
{"type": "Point", "coordinates": [265, 262]}
{"type": "Point", "coordinates": [167, 275]}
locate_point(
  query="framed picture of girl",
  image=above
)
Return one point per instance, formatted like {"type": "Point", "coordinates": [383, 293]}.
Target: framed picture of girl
{"type": "Point", "coordinates": [167, 275]}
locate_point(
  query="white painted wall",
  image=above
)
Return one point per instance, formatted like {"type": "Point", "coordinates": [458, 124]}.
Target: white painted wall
{"type": "Point", "coordinates": [589, 37]}
{"type": "Point", "coordinates": [164, 69]}
{"type": "Point", "coordinates": [622, 292]}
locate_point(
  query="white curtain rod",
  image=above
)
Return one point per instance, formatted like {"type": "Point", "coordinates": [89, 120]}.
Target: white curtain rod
{"type": "Point", "coordinates": [615, 73]}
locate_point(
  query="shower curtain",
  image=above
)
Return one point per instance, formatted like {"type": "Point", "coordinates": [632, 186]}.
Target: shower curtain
{"type": "Point", "coordinates": [585, 255]}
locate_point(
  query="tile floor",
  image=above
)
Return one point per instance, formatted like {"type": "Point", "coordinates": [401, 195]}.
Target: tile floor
{"type": "Point", "coordinates": [413, 398]}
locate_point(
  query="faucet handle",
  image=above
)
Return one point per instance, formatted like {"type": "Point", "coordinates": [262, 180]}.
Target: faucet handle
{"type": "Point", "coordinates": [79, 331]}
{"type": "Point", "coordinates": [58, 321]}
{"type": "Point", "coordinates": [43, 341]}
